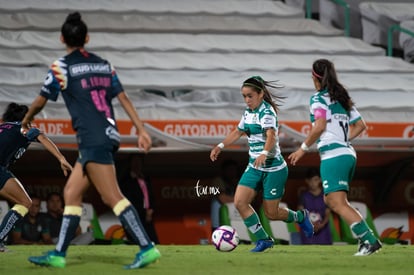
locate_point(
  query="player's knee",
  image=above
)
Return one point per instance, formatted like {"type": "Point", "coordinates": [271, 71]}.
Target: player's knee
{"type": "Point", "coordinates": [241, 205]}
{"type": "Point", "coordinates": [112, 199]}
{"type": "Point", "coordinates": [335, 205]}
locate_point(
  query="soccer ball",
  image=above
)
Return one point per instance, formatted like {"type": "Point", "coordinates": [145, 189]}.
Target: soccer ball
{"type": "Point", "coordinates": [225, 238]}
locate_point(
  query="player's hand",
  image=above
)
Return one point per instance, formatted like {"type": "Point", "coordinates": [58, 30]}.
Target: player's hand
{"type": "Point", "coordinates": [317, 226]}
{"type": "Point", "coordinates": [260, 161]}
{"type": "Point", "coordinates": [144, 141]}
{"type": "Point", "coordinates": [24, 129]}
{"type": "Point", "coordinates": [66, 167]}
{"type": "Point", "coordinates": [215, 152]}
{"type": "Point", "coordinates": [296, 156]}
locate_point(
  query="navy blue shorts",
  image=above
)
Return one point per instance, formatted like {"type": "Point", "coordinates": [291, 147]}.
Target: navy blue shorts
{"type": "Point", "coordinates": [96, 155]}
{"type": "Point", "coordinates": [5, 175]}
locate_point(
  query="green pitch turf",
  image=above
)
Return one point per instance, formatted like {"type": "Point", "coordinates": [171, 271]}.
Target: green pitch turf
{"type": "Point", "coordinates": [204, 259]}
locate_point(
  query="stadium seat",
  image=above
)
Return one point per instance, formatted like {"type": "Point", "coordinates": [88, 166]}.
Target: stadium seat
{"type": "Point", "coordinates": [155, 92]}
{"type": "Point", "coordinates": [180, 92]}
{"type": "Point", "coordinates": [333, 14]}
{"type": "Point", "coordinates": [377, 18]}
{"type": "Point", "coordinates": [281, 231]}
{"type": "Point", "coordinates": [407, 41]}
{"type": "Point", "coordinates": [229, 215]}
{"type": "Point", "coordinates": [184, 46]}
{"type": "Point", "coordinates": [346, 233]}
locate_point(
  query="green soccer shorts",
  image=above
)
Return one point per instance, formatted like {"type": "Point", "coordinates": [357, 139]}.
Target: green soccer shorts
{"type": "Point", "coordinates": [337, 173]}
{"type": "Point", "coordinates": [272, 183]}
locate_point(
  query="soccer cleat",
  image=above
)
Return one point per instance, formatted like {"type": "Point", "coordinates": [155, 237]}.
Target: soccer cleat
{"type": "Point", "coordinates": [361, 244]}
{"type": "Point", "coordinates": [3, 247]}
{"type": "Point", "coordinates": [306, 225]}
{"type": "Point", "coordinates": [49, 259]}
{"type": "Point", "coordinates": [262, 245]}
{"type": "Point", "coordinates": [144, 258]}
{"type": "Point", "coordinates": [367, 249]}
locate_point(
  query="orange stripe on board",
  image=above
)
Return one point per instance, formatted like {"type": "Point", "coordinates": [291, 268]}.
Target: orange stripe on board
{"type": "Point", "coordinates": [212, 128]}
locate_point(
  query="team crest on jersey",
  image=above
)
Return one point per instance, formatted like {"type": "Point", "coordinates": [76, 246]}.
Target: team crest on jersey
{"type": "Point", "coordinates": [254, 118]}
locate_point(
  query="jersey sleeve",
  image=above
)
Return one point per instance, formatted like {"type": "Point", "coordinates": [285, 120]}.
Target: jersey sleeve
{"type": "Point", "coordinates": [240, 126]}
{"type": "Point", "coordinates": [354, 115]}
{"type": "Point", "coordinates": [268, 120]}
{"type": "Point", "coordinates": [316, 102]}
{"type": "Point", "coordinates": [116, 84]}
{"type": "Point", "coordinates": [55, 81]}
{"type": "Point", "coordinates": [32, 134]}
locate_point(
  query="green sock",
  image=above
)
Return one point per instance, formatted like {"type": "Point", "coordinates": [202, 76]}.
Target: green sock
{"type": "Point", "coordinates": [254, 226]}
{"type": "Point", "coordinates": [294, 216]}
{"type": "Point", "coordinates": [363, 232]}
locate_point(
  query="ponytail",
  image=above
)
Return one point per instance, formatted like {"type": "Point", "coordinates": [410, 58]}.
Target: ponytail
{"type": "Point", "coordinates": [324, 71]}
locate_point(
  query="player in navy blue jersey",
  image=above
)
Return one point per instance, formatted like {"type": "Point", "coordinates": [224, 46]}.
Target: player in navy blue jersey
{"type": "Point", "coordinates": [88, 84]}
{"type": "Point", "coordinates": [13, 144]}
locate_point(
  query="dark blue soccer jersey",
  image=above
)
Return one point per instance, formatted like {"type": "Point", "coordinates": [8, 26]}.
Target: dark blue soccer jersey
{"type": "Point", "coordinates": [88, 84]}
{"type": "Point", "coordinates": [13, 144]}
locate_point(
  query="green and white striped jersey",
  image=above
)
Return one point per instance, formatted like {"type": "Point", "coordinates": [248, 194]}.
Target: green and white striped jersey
{"type": "Point", "coordinates": [255, 123]}
{"type": "Point", "coordinates": [334, 140]}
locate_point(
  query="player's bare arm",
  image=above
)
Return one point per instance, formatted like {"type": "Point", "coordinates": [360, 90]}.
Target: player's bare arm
{"type": "Point", "coordinates": [230, 139]}
{"type": "Point", "coordinates": [270, 143]}
{"type": "Point", "coordinates": [316, 131]}
{"type": "Point", "coordinates": [144, 139]}
{"type": "Point", "coordinates": [37, 105]}
{"type": "Point", "coordinates": [357, 128]}
{"type": "Point", "coordinates": [52, 148]}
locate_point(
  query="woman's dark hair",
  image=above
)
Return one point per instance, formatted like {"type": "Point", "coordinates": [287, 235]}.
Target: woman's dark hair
{"type": "Point", "coordinates": [324, 71]}
{"type": "Point", "coordinates": [259, 84]}
{"type": "Point", "coordinates": [74, 30]}
{"type": "Point", "coordinates": [14, 112]}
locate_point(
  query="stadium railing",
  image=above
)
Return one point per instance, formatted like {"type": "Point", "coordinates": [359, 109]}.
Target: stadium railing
{"type": "Point", "coordinates": [391, 30]}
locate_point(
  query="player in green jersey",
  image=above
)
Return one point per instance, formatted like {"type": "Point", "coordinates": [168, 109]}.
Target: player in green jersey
{"type": "Point", "coordinates": [335, 122]}
{"type": "Point", "coordinates": [266, 170]}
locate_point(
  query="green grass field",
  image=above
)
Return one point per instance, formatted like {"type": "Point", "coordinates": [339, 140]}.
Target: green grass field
{"type": "Point", "coordinates": [204, 259]}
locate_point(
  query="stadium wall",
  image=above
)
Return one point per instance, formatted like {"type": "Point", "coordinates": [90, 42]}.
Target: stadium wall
{"type": "Point", "coordinates": [383, 180]}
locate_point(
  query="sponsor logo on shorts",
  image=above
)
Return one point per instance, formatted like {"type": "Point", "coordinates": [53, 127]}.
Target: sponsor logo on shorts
{"type": "Point", "coordinates": [342, 182]}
